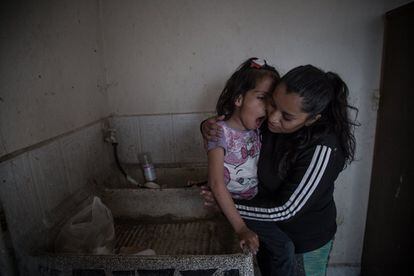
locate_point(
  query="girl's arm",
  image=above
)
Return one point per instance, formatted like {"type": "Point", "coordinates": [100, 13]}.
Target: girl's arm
{"type": "Point", "coordinates": [225, 201]}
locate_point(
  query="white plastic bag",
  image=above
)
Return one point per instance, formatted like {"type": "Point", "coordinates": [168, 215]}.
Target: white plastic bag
{"type": "Point", "coordinates": [91, 231]}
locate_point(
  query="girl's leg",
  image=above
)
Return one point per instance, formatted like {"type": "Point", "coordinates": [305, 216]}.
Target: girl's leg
{"type": "Point", "coordinates": [276, 256]}
{"type": "Point", "coordinates": [264, 260]}
{"type": "Point", "coordinates": [315, 262]}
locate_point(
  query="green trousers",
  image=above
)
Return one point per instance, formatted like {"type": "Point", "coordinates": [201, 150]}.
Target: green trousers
{"type": "Point", "coordinates": [314, 263]}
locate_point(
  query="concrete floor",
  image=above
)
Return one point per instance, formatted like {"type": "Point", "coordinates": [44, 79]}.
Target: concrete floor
{"type": "Point", "coordinates": [343, 271]}
{"type": "Point", "coordinates": [332, 271]}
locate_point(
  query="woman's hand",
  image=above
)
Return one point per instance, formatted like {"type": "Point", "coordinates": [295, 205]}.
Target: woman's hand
{"type": "Point", "coordinates": [209, 200]}
{"type": "Point", "coordinates": [249, 241]}
{"type": "Point", "coordinates": [210, 130]}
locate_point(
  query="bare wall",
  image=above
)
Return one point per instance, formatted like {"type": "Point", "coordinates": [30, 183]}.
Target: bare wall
{"type": "Point", "coordinates": [51, 73]}
{"type": "Point", "coordinates": [174, 56]}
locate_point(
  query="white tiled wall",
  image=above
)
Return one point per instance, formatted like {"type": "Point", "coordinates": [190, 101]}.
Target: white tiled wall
{"type": "Point", "coordinates": [32, 184]}
{"type": "Point", "coordinates": [170, 138]}
{"type": "Point", "coordinates": [156, 137]}
{"type": "Point", "coordinates": [128, 137]}
{"type": "Point", "coordinates": [98, 153]}
{"type": "Point", "coordinates": [187, 138]}
{"type": "Point", "coordinates": [19, 196]}
{"type": "Point", "coordinates": [77, 163]}
{"type": "Point", "coordinates": [48, 173]}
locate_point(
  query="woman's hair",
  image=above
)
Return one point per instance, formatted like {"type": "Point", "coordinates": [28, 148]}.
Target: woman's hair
{"type": "Point", "coordinates": [244, 79]}
{"type": "Point", "coordinates": [325, 94]}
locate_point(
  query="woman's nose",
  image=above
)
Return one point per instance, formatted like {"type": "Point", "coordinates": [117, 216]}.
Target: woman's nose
{"type": "Point", "coordinates": [274, 116]}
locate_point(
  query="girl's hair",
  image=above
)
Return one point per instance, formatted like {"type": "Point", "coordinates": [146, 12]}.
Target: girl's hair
{"type": "Point", "coordinates": [244, 79]}
{"type": "Point", "coordinates": [325, 94]}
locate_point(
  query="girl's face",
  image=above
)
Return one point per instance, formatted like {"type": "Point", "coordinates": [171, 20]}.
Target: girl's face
{"type": "Point", "coordinates": [284, 112]}
{"type": "Point", "coordinates": [251, 108]}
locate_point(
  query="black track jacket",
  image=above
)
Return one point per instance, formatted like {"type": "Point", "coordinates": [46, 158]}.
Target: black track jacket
{"type": "Point", "coordinates": [301, 204]}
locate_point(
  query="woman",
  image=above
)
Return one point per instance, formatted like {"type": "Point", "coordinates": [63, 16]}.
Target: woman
{"type": "Point", "coordinates": [306, 142]}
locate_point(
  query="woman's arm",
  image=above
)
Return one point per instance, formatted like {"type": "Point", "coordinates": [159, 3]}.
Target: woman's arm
{"type": "Point", "coordinates": [209, 128]}
{"type": "Point", "coordinates": [225, 201]}
{"type": "Point", "coordinates": [310, 181]}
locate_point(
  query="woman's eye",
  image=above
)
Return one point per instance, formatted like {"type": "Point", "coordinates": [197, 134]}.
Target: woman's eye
{"type": "Point", "coordinates": [286, 119]}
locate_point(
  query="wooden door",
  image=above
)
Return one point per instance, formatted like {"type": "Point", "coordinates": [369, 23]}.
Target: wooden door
{"type": "Point", "coordinates": [389, 235]}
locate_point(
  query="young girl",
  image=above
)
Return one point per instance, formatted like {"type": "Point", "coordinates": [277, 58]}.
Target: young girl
{"type": "Point", "coordinates": [232, 159]}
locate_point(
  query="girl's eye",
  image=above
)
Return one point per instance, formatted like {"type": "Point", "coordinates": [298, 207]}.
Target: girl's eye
{"type": "Point", "coordinates": [286, 119]}
{"type": "Point", "coordinates": [261, 97]}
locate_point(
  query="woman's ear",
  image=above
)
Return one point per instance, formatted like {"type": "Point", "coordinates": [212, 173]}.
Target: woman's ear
{"type": "Point", "coordinates": [239, 101]}
{"type": "Point", "coordinates": [312, 120]}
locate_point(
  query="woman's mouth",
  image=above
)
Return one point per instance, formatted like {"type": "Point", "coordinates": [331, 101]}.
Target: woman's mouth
{"type": "Point", "coordinates": [273, 128]}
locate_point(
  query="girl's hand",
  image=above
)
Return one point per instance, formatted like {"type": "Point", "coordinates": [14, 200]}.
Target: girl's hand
{"type": "Point", "coordinates": [210, 130]}
{"type": "Point", "coordinates": [249, 241]}
{"type": "Point", "coordinates": [209, 200]}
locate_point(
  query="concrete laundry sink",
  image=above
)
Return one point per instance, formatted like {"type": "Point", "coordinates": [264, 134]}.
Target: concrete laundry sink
{"type": "Point", "coordinates": [172, 221]}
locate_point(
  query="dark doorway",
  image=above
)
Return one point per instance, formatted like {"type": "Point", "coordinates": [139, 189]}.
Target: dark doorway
{"type": "Point", "coordinates": [388, 243]}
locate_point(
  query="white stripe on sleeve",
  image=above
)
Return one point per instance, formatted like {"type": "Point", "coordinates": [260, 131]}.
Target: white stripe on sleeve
{"type": "Point", "coordinates": [299, 197]}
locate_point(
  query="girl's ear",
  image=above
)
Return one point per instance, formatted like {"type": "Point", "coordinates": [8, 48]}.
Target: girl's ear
{"type": "Point", "coordinates": [312, 120]}
{"type": "Point", "coordinates": [239, 101]}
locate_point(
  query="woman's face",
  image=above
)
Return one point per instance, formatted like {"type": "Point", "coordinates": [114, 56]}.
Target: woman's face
{"type": "Point", "coordinates": [284, 111]}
